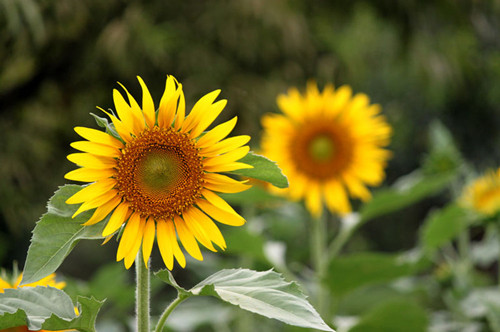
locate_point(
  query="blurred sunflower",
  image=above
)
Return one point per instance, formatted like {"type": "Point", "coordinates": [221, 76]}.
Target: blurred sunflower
{"type": "Point", "coordinates": [329, 145]}
{"type": "Point", "coordinates": [157, 176]}
{"type": "Point", "coordinates": [47, 281]}
{"type": "Point", "coordinates": [483, 194]}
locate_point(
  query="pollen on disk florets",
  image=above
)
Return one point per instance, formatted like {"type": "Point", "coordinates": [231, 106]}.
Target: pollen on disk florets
{"type": "Point", "coordinates": [160, 173]}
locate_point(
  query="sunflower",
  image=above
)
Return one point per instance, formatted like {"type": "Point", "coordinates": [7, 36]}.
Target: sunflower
{"type": "Point", "coordinates": [158, 174]}
{"type": "Point", "coordinates": [329, 144]}
{"type": "Point", "coordinates": [47, 281]}
{"type": "Point", "coordinates": [483, 194]}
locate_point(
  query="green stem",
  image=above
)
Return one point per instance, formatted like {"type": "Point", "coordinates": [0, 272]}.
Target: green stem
{"type": "Point", "coordinates": [464, 259]}
{"type": "Point", "coordinates": [142, 294]}
{"type": "Point", "coordinates": [318, 252]}
{"type": "Point", "coordinates": [168, 310]}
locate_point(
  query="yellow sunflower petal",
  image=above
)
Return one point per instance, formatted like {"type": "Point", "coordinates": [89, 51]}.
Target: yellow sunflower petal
{"type": "Point", "coordinates": [225, 145]}
{"type": "Point", "coordinates": [356, 187]}
{"type": "Point", "coordinates": [199, 108]}
{"type": "Point", "coordinates": [217, 201]}
{"type": "Point", "coordinates": [148, 106]}
{"type": "Point", "coordinates": [96, 148]}
{"type": "Point", "coordinates": [148, 240]}
{"type": "Point", "coordinates": [179, 256]}
{"type": "Point", "coordinates": [227, 167]}
{"type": "Point", "coordinates": [98, 136]}
{"type": "Point", "coordinates": [88, 174]}
{"type": "Point", "coordinates": [227, 158]}
{"type": "Point", "coordinates": [91, 161]}
{"type": "Point", "coordinates": [206, 118]}
{"type": "Point", "coordinates": [208, 227]}
{"type": "Point", "coordinates": [139, 122]}
{"type": "Point", "coordinates": [195, 229]}
{"type": "Point", "coordinates": [129, 235]}
{"type": "Point", "coordinates": [120, 128]}
{"type": "Point", "coordinates": [336, 198]}
{"type": "Point", "coordinates": [313, 199]}
{"type": "Point", "coordinates": [92, 191]}
{"type": "Point", "coordinates": [98, 201]}
{"type": "Point", "coordinates": [132, 254]}
{"type": "Point", "coordinates": [222, 216]}
{"type": "Point", "coordinates": [223, 183]}
{"type": "Point", "coordinates": [119, 216]}
{"type": "Point", "coordinates": [217, 133]}
{"type": "Point", "coordinates": [187, 238]}
{"type": "Point", "coordinates": [102, 211]}
{"type": "Point", "coordinates": [124, 111]}
{"type": "Point", "coordinates": [181, 110]}
{"type": "Point", "coordinates": [164, 243]}
{"type": "Point", "coordinates": [168, 103]}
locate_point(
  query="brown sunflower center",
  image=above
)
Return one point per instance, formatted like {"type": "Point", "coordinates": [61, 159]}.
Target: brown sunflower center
{"type": "Point", "coordinates": [160, 173]}
{"type": "Point", "coordinates": [322, 149]}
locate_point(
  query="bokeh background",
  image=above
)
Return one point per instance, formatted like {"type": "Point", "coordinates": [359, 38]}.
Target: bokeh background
{"type": "Point", "coordinates": [423, 61]}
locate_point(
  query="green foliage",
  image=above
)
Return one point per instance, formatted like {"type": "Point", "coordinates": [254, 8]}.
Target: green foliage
{"type": "Point", "coordinates": [349, 272]}
{"type": "Point", "coordinates": [393, 316]}
{"type": "Point", "coordinates": [444, 225]}
{"type": "Point", "coordinates": [56, 234]}
{"type": "Point", "coordinates": [263, 169]}
{"type": "Point", "coordinates": [264, 293]}
{"type": "Point", "coordinates": [408, 190]}
{"type": "Point", "coordinates": [47, 308]}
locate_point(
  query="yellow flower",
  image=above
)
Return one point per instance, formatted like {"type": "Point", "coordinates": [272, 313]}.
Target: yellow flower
{"type": "Point", "coordinates": [328, 144]}
{"type": "Point", "coordinates": [483, 194]}
{"type": "Point", "coordinates": [160, 176]}
{"type": "Point", "coordinates": [47, 281]}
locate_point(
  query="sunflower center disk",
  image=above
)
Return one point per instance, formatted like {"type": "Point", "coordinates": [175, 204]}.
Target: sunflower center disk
{"type": "Point", "coordinates": [160, 173]}
{"type": "Point", "coordinates": [322, 148]}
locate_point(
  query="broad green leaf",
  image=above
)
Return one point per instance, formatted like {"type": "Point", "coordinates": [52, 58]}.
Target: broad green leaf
{"type": "Point", "coordinates": [263, 169]}
{"type": "Point", "coordinates": [56, 234]}
{"type": "Point", "coordinates": [442, 226]}
{"type": "Point", "coordinates": [394, 315]}
{"type": "Point", "coordinates": [408, 190]}
{"type": "Point", "coordinates": [47, 308]}
{"type": "Point", "coordinates": [264, 293]}
{"type": "Point", "coordinates": [349, 272]}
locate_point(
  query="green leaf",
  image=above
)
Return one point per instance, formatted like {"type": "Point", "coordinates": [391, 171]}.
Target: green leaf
{"type": "Point", "coordinates": [352, 271]}
{"type": "Point", "coordinates": [56, 234]}
{"type": "Point", "coordinates": [442, 226]}
{"type": "Point", "coordinates": [408, 190]}
{"type": "Point", "coordinates": [263, 169]}
{"type": "Point", "coordinates": [167, 277]}
{"type": "Point", "coordinates": [109, 126]}
{"type": "Point", "coordinates": [47, 308]}
{"type": "Point", "coordinates": [264, 293]}
{"type": "Point", "coordinates": [394, 315]}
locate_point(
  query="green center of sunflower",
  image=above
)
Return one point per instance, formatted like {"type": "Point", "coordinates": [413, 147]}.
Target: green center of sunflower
{"type": "Point", "coordinates": [160, 173]}
{"type": "Point", "coordinates": [322, 148]}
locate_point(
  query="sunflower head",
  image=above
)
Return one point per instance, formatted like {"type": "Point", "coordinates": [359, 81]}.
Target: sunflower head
{"type": "Point", "coordinates": [156, 174]}
{"type": "Point", "coordinates": [330, 145]}
{"type": "Point", "coordinates": [483, 194]}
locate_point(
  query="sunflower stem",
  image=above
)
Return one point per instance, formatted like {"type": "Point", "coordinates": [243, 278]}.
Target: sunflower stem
{"type": "Point", "coordinates": [319, 261]}
{"type": "Point", "coordinates": [168, 311]}
{"type": "Point", "coordinates": [142, 294]}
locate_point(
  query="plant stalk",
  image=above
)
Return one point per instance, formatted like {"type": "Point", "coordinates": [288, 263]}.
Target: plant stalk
{"type": "Point", "coordinates": [142, 294]}
{"type": "Point", "coordinates": [319, 234]}
{"type": "Point", "coordinates": [168, 310]}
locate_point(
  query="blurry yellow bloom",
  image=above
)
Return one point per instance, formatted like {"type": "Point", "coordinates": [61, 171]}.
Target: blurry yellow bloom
{"type": "Point", "coordinates": [483, 194]}
{"type": "Point", "coordinates": [329, 145]}
{"type": "Point", "coordinates": [159, 178]}
{"type": "Point", "coordinates": [47, 281]}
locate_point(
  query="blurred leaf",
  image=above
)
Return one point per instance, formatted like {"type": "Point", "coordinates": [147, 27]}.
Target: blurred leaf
{"type": "Point", "coordinates": [480, 301]}
{"type": "Point", "coordinates": [263, 169]}
{"type": "Point", "coordinates": [47, 308]}
{"type": "Point", "coordinates": [393, 315]}
{"type": "Point", "coordinates": [167, 277]}
{"type": "Point", "coordinates": [56, 234]}
{"type": "Point", "coordinates": [111, 283]}
{"type": "Point", "coordinates": [443, 155]}
{"type": "Point", "coordinates": [408, 190]}
{"type": "Point", "coordinates": [264, 293]}
{"type": "Point", "coordinates": [443, 226]}
{"type": "Point", "coordinates": [192, 315]}
{"type": "Point", "coordinates": [241, 241]}
{"type": "Point", "coordinates": [352, 271]}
